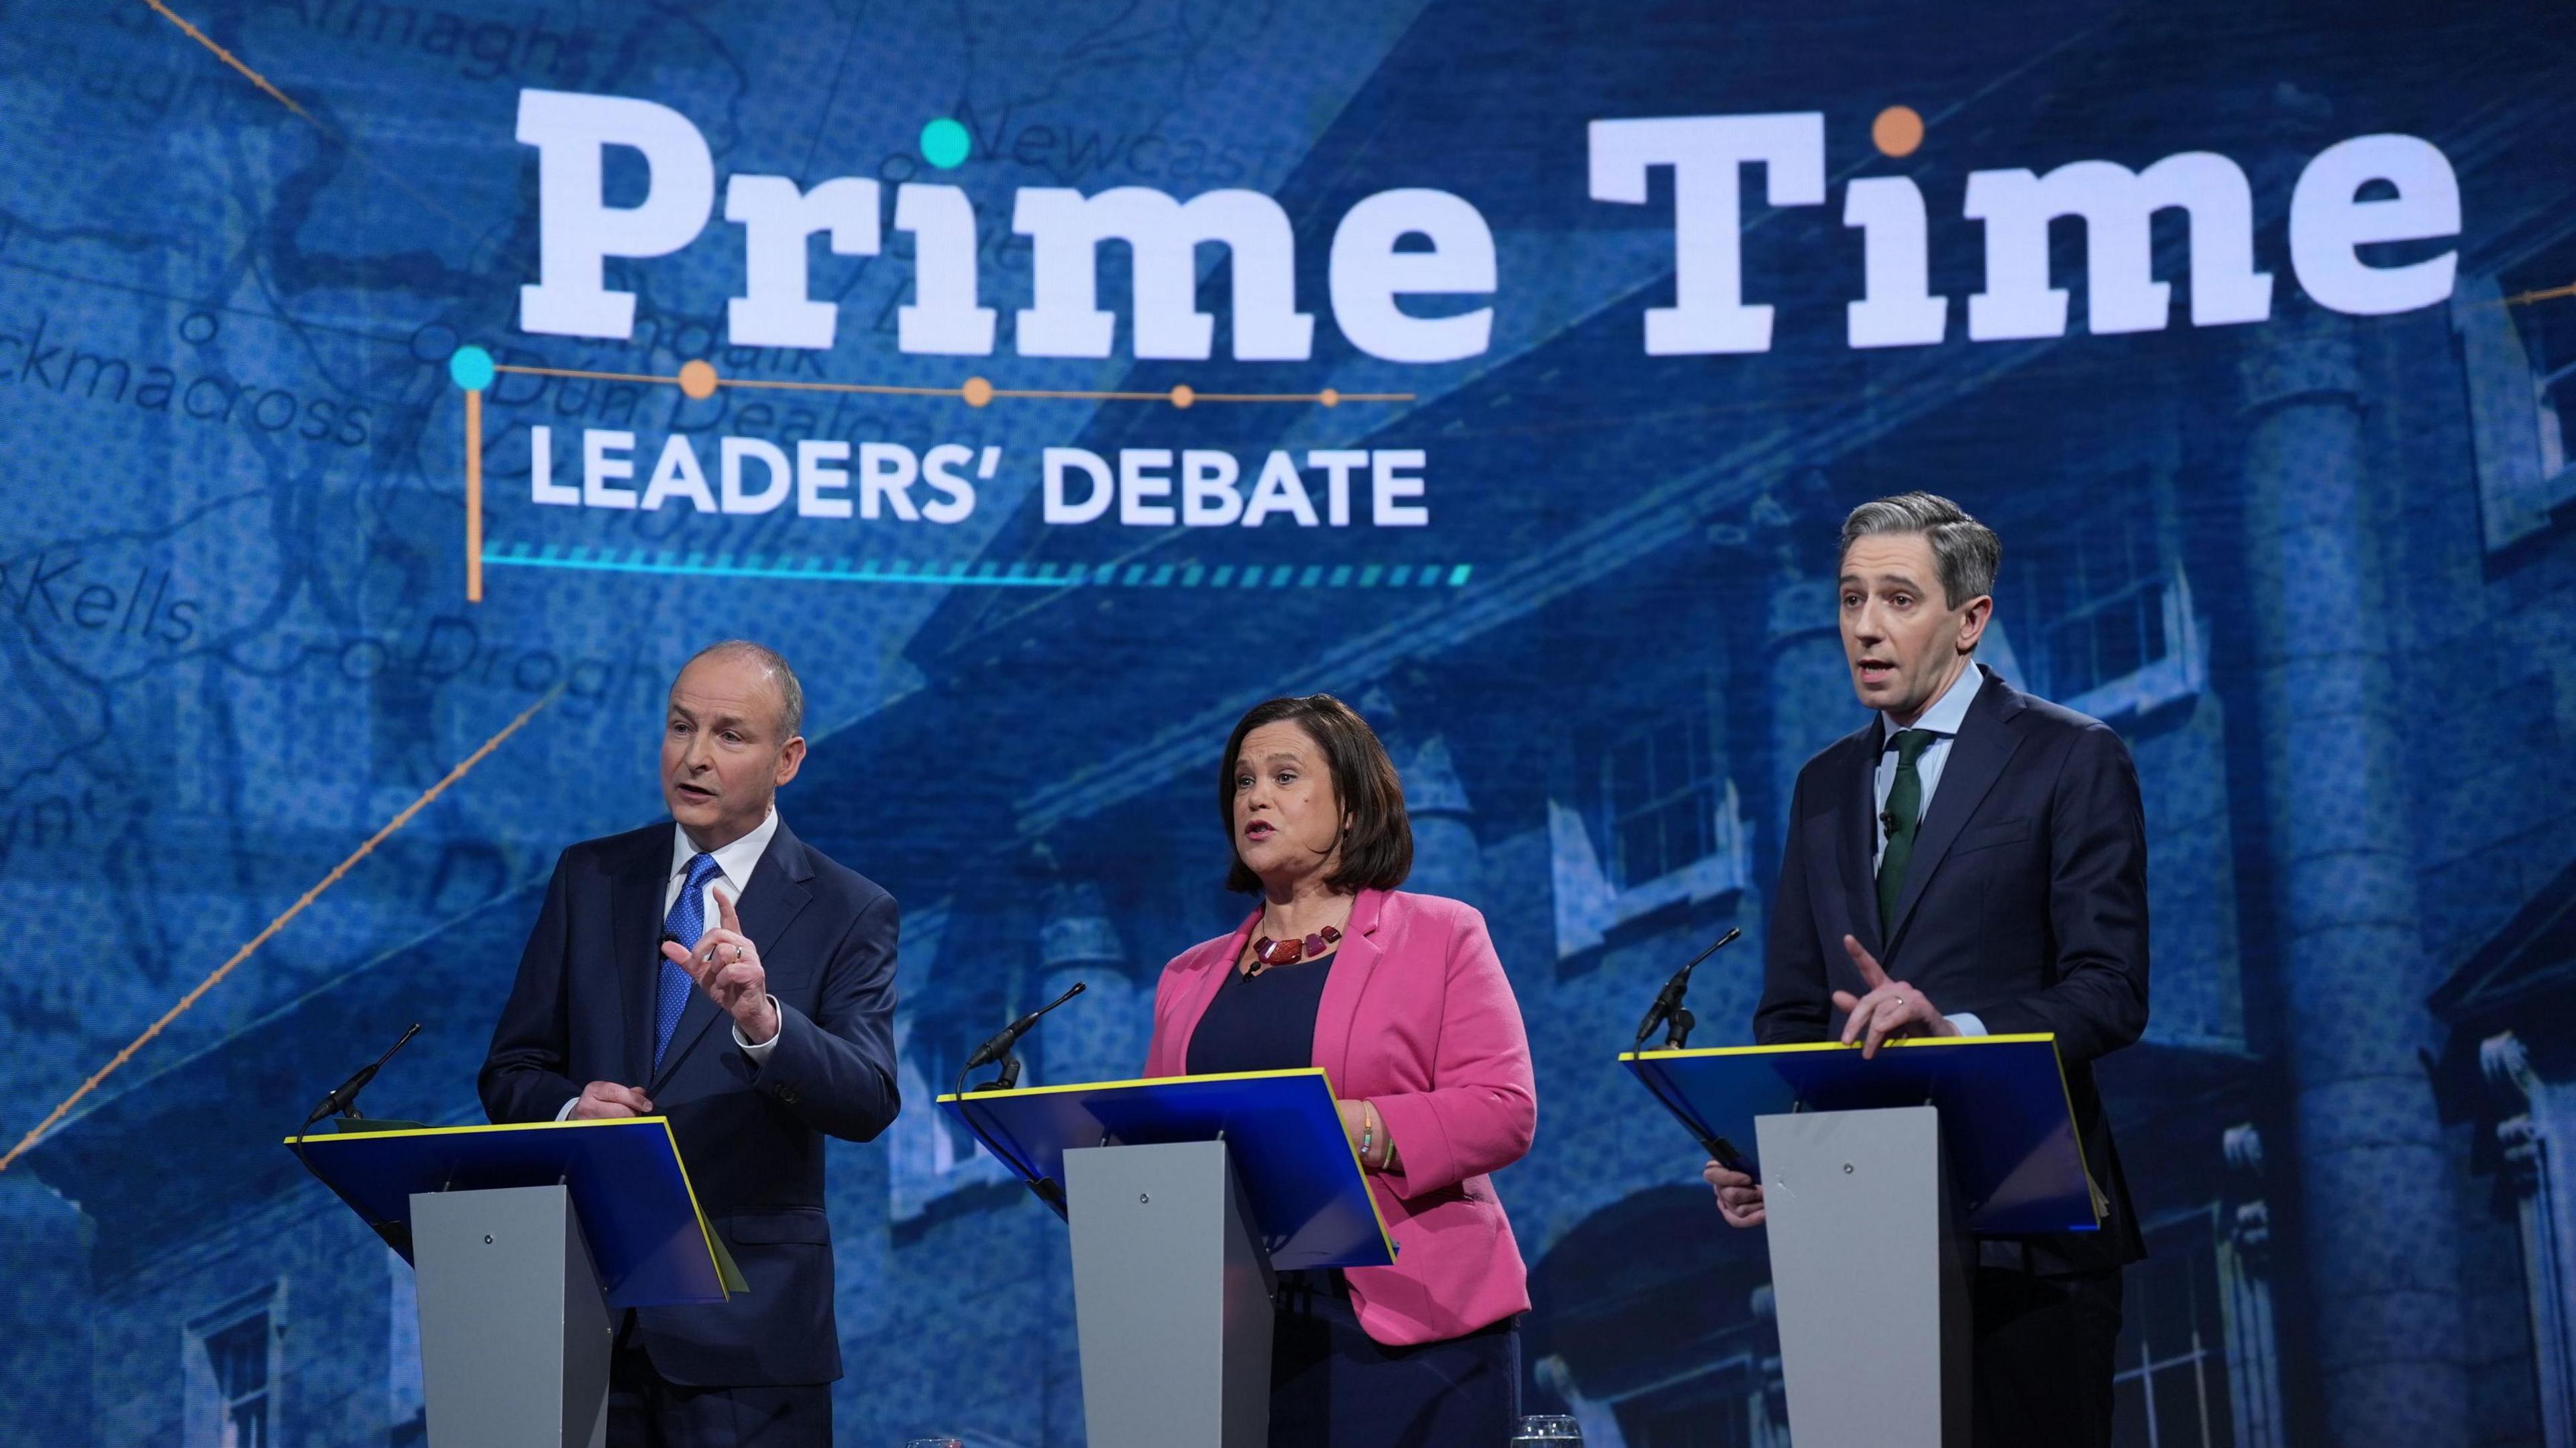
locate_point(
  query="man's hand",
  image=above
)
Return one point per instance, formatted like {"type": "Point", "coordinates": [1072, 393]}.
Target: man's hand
{"type": "Point", "coordinates": [726, 965]}
{"type": "Point", "coordinates": [1739, 1197]}
{"type": "Point", "coordinates": [606, 1101]}
{"type": "Point", "coordinates": [1892, 1008]}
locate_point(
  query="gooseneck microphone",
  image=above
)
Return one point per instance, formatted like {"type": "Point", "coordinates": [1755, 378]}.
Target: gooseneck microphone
{"type": "Point", "coordinates": [1668, 1002]}
{"type": "Point", "coordinates": [343, 1099]}
{"type": "Point", "coordinates": [1003, 1040]}
{"type": "Point", "coordinates": [1668, 1008]}
{"type": "Point", "coordinates": [999, 1049]}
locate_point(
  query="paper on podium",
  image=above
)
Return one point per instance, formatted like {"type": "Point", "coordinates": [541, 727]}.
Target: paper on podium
{"type": "Point", "coordinates": [649, 1241]}
{"type": "Point", "coordinates": [2007, 1122]}
{"type": "Point", "coordinates": [1301, 1179]}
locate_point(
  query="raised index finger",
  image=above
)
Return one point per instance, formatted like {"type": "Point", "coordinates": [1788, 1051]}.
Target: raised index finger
{"type": "Point", "coordinates": [1867, 964]}
{"type": "Point", "coordinates": [724, 911]}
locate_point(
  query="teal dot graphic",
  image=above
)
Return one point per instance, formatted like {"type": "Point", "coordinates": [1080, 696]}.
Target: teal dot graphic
{"type": "Point", "coordinates": [944, 143]}
{"type": "Point", "coordinates": [471, 367]}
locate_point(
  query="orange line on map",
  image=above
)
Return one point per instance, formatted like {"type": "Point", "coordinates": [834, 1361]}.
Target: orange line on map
{"type": "Point", "coordinates": [2551, 294]}
{"type": "Point", "coordinates": [289, 913]}
{"type": "Point", "coordinates": [474, 495]}
{"type": "Point", "coordinates": [889, 389]}
{"type": "Point", "coordinates": [592, 376]}
{"type": "Point", "coordinates": [1301, 397]}
{"type": "Point", "coordinates": [228, 58]}
{"type": "Point", "coordinates": [392, 178]}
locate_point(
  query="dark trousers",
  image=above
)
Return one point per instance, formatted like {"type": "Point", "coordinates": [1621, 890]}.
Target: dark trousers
{"type": "Point", "coordinates": [646, 1410]}
{"type": "Point", "coordinates": [2044, 1348]}
{"type": "Point", "coordinates": [1333, 1386]}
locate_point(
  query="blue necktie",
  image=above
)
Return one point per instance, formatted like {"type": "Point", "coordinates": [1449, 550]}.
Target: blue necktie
{"type": "Point", "coordinates": [686, 922]}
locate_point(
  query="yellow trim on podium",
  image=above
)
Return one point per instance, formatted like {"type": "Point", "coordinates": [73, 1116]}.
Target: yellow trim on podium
{"type": "Point", "coordinates": [727, 1272]}
{"type": "Point", "coordinates": [1376, 1213]}
{"type": "Point", "coordinates": [2091, 1187]}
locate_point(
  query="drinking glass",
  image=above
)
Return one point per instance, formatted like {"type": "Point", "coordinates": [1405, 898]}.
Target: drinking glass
{"type": "Point", "coordinates": [1546, 1430]}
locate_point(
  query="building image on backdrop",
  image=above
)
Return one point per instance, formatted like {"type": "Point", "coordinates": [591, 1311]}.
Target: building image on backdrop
{"type": "Point", "coordinates": [2314, 565]}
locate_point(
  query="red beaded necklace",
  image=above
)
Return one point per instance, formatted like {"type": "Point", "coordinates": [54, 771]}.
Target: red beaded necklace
{"type": "Point", "coordinates": [1269, 952]}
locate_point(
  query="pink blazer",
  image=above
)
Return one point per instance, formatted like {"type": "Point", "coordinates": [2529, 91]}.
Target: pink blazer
{"type": "Point", "coordinates": [1417, 1019]}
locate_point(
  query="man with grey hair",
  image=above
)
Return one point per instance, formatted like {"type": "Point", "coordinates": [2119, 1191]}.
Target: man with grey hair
{"type": "Point", "coordinates": [1972, 860]}
{"type": "Point", "coordinates": [792, 956]}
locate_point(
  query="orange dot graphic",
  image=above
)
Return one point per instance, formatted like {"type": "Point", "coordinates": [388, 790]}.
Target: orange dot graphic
{"type": "Point", "coordinates": [1329, 397]}
{"type": "Point", "coordinates": [1182, 396]}
{"type": "Point", "coordinates": [977, 392]}
{"type": "Point", "coordinates": [1897, 131]}
{"type": "Point", "coordinates": [698, 380]}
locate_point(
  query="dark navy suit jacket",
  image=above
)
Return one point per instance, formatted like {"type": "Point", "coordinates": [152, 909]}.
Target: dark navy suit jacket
{"type": "Point", "coordinates": [752, 1136]}
{"type": "Point", "coordinates": [2025, 903]}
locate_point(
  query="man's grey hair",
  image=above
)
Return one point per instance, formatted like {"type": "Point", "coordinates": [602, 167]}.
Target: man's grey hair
{"type": "Point", "coordinates": [791, 694]}
{"type": "Point", "coordinates": [1965, 551]}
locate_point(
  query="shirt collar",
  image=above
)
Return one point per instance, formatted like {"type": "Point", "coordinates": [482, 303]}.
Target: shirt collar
{"type": "Point", "coordinates": [1947, 712]}
{"type": "Point", "coordinates": [735, 860]}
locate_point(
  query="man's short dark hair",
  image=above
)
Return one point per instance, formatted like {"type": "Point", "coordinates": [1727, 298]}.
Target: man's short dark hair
{"type": "Point", "coordinates": [791, 693]}
{"type": "Point", "coordinates": [1965, 551]}
{"type": "Point", "coordinates": [1378, 852]}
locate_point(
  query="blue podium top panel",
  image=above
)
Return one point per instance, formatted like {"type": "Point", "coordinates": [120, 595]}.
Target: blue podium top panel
{"type": "Point", "coordinates": [2007, 1124]}
{"type": "Point", "coordinates": [1301, 1179]}
{"type": "Point", "coordinates": [648, 1240]}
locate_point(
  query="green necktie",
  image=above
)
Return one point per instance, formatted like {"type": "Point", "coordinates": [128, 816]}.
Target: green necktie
{"type": "Point", "coordinates": [1904, 814]}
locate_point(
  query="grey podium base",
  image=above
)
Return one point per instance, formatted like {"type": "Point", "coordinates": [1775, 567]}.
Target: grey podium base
{"type": "Point", "coordinates": [514, 1333]}
{"type": "Point", "coordinates": [1171, 1298]}
{"type": "Point", "coordinates": [1868, 1278]}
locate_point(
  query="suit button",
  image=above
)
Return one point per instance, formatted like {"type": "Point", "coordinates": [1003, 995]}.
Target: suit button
{"type": "Point", "coordinates": [787, 1094]}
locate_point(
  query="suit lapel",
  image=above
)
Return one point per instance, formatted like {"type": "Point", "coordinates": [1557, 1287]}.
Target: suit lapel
{"type": "Point", "coordinates": [1985, 744]}
{"type": "Point", "coordinates": [635, 914]}
{"type": "Point", "coordinates": [1352, 965]}
{"type": "Point", "coordinates": [769, 905]}
{"type": "Point", "coordinates": [1857, 837]}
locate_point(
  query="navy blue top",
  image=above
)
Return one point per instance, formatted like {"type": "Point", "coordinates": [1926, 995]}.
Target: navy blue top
{"type": "Point", "coordinates": [1264, 1022]}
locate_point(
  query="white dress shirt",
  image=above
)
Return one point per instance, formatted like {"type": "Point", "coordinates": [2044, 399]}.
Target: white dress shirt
{"type": "Point", "coordinates": [1944, 718]}
{"type": "Point", "coordinates": [734, 864]}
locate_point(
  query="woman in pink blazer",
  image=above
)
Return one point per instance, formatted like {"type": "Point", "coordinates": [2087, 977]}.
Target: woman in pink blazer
{"type": "Point", "coordinates": [1402, 1002]}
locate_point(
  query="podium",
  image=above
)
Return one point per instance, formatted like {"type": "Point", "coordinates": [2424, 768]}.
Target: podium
{"type": "Point", "coordinates": [1874, 1173]}
{"type": "Point", "coordinates": [524, 1239]}
{"type": "Point", "coordinates": [1185, 1196]}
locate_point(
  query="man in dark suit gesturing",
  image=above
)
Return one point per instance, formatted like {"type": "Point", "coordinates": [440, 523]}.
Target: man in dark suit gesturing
{"type": "Point", "coordinates": [1973, 860]}
{"type": "Point", "coordinates": [720, 972]}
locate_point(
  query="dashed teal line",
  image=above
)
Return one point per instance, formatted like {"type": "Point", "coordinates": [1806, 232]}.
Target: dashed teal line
{"type": "Point", "coordinates": [956, 573]}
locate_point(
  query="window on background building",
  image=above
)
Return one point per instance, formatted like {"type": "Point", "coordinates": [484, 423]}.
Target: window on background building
{"type": "Point", "coordinates": [231, 1373]}
{"type": "Point", "coordinates": [2170, 1385]}
{"type": "Point", "coordinates": [1657, 824]}
{"type": "Point", "coordinates": [1659, 790]}
{"type": "Point", "coordinates": [2517, 343]}
{"type": "Point", "coordinates": [2112, 630]}
{"type": "Point", "coordinates": [2098, 592]}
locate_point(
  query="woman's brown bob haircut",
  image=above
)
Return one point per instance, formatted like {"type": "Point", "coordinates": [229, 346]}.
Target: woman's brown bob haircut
{"type": "Point", "coordinates": [1378, 852]}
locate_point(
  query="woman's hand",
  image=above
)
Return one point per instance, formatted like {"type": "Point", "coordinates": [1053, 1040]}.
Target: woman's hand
{"type": "Point", "coordinates": [1361, 1124]}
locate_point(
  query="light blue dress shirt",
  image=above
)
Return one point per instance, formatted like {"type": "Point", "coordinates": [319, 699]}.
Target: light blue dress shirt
{"type": "Point", "coordinates": [1944, 718]}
